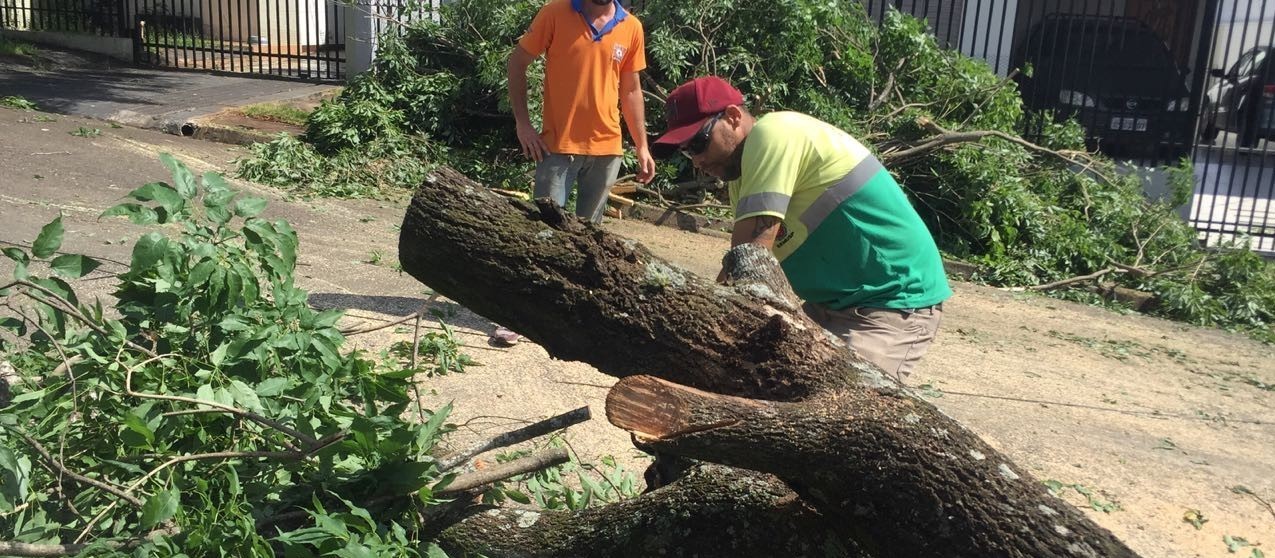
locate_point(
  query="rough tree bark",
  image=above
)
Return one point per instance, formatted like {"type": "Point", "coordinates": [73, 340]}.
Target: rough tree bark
{"type": "Point", "coordinates": [733, 375]}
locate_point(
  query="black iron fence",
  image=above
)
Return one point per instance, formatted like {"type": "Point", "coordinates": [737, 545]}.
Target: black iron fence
{"type": "Point", "coordinates": [302, 39]}
{"type": "Point", "coordinates": [1151, 82]}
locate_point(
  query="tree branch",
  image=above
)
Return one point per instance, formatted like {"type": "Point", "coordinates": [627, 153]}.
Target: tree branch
{"type": "Point", "coordinates": [520, 435]}
{"type": "Point", "coordinates": [39, 448]}
{"type": "Point", "coordinates": [488, 475]}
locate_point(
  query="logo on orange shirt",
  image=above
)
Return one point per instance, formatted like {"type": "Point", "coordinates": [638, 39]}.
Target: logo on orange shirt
{"type": "Point", "coordinates": [618, 53]}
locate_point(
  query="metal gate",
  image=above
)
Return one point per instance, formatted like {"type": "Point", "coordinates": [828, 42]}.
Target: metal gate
{"type": "Point", "coordinates": [301, 39]}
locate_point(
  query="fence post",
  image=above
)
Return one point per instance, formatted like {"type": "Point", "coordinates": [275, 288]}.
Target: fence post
{"type": "Point", "coordinates": [360, 35]}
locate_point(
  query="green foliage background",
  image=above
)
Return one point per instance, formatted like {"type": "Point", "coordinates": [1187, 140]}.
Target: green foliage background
{"type": "Point", "coordinates": [437, 96]}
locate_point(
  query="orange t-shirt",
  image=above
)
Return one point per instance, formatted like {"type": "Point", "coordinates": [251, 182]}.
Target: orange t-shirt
{"type": "Point", "coordinates": [582, 76]}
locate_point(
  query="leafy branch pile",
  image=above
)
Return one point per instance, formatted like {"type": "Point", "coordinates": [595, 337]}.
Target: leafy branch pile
{"type": "Point", "coordinates": [1036, 214]}
{"type": "Point", "coordinates": [209, 411]}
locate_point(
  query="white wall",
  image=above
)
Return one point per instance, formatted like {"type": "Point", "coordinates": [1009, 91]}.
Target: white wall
{"type": "Point", "coordinates": [1242, 25]}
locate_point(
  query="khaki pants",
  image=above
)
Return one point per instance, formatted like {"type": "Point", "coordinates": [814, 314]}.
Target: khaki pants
{"type": "Point", "coordinates": [895, 340]}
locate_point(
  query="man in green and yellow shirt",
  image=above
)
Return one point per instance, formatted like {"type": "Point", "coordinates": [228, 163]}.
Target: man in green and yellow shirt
{"type": "Point", "coordinates": [848, 239]}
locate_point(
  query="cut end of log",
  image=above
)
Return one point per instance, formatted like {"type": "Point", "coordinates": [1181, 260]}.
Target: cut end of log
{"type": "Point", "coordinates": [646, 406]}
{"type": "Point", "coordinates": [655, 409]}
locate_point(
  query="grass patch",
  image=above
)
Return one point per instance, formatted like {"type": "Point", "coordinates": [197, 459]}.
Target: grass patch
{"type": "Point", "coordinates": [274, 112]}
{"type": "Point", "coordinates": [17, 48]}
{"type": "Point", "coordinates": [16, 102]}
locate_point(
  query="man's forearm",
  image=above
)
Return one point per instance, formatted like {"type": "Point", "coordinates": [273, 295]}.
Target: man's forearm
{"type": "Point", "coordinates": [634, 109]}
{"type": "Point", "coordinates": [518, 92]}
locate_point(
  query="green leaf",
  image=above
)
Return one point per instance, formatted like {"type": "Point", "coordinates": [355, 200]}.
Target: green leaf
{"type": "Point", "coordinates": [434, 551]}
{"type": "Point", "coordinates": [161, 193]}
{"type": "Point", "coordinates": [244, 396]}
{"type": "Point", "coordinates": [73, 266]}
{"type": "Point", "coordinates": [272, 387]}
{"type": "Point", "coordinates": [233, 323]}
{"type": "Point", "coordinates": [50, 239]}
{"type": "Point", "coordinates": [218, 214]}
{"type": "Point", "coordinates": [17, 255]}
{"type": "Point", "coordinates": [517, 496]}
{"type": "Point", "coordinates": [205, 393]}
{"type": "Point", "coordinates": [13, 324]}
{"type": "Point", "coordinates": [134, 423]}
{"type": "Point", "coordinates": [138, 214]}
{"type": "Point", "coordinates": [182, 178]}
{"type": "Point", "coordinates": [218, 355]}
{"type": "Point", "coordinates": [1234, 544]}
{"type": "Point", "coordinates": [249, 207]}
{"type": "Point", "coordinates": [1257, 553]}
{"type": "Point", "coordinates": [149, 249]}
{"type": "Point", "coordinates": [159, 508]}
{"type": "Point", "coordinates": [216, 192]}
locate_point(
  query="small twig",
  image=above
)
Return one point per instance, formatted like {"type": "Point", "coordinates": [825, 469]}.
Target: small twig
{"type": "Point", "coordinates": [1244, 490]}
{"type": "Point", "coordinates": [72, 310]}
{"type": "Point", "coordinates": [350, 332]}
{"type": "Point", "coordinates": [52, 153]}
{"type": "Point", "coordinates": [461, 484]}
{"type": "Point", "coordinates": [39, 448]}
{"type": "Point", "coordinates": [991, 93]}
{"type": "Point", "coordinates": [416, 345]}
{"type": "Point", "coordinates": [907, 106]}
{"type": "Point", "coordinates": [1073, 280]}
{"type": "Point", "coordinates": [11, 548]}
{"type": "Point", "coordinates": [291, 455]}
{"type": "Point", "coordinates": [512, 437]}
{"type": "Point", "coordinates": [128, 388]}
{"type": "Point", "coordinates": [497, 473]}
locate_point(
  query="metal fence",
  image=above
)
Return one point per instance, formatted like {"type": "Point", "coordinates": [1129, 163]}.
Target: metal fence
{"type": "Point", "coordinates": [1151, 82]}
{"type": "Point", "coordinates": [303, 39]}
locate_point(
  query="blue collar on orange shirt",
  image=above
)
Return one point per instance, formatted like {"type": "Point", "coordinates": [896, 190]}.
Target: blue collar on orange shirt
{"type": "Point", "coordinates": [620, 14]}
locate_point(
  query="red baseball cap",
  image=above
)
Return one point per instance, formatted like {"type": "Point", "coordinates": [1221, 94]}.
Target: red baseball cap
{"type": "Point", "coordinates": [688, 106]}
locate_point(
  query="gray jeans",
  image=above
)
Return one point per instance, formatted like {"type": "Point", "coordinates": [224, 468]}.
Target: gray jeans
{"type": "Point", "coordinates": [556, 174]}
{"type": "Point", "coordinates": [895, 340]}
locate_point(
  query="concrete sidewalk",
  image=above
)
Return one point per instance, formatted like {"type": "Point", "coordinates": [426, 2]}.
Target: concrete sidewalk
{"type": "Point", "coordinates": [173, 101]}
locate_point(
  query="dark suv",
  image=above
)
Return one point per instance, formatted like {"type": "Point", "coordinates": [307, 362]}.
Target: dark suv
{"type": "Point", "coordinates": [1112, 74]}
{"type": "Point", "coordinates": [1243, 99]}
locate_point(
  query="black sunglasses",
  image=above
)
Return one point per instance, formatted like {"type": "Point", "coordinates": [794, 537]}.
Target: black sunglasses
{"type": "Point", "coordinates": [699, 142]}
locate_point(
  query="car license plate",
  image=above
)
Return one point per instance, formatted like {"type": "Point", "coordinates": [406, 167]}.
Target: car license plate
{"type": "Point", "coordinates": [1128, 124]}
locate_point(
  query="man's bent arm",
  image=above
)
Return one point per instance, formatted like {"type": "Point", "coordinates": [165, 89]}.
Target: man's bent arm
{"type": "Point", "coordinates": [761, 230]}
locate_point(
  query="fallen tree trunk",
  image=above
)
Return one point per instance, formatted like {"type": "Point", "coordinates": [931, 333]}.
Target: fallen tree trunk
{"type": "Point", "coordinates": [737, 375]}
{"type": "Point", "coordinates": [713, 511]}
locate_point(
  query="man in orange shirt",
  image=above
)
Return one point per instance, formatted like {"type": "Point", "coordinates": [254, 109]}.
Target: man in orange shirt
{"type": "Point", "coordinates": [593, 52]}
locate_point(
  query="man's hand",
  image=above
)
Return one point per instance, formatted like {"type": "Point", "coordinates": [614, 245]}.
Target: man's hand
{"type": "Point", "coordinates": [646, 165]}
{"type": "Point", "coordinates": [533, 146]}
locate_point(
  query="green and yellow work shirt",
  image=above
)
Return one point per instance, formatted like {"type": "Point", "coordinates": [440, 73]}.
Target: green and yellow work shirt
{"type": "Point", "coordinates": [849, 235]}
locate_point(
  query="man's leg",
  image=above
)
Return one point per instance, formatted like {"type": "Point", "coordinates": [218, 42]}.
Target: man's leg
{"type": "Point", "coordinates": [895, 340]}
{"type": "Point", "coordinates": [555, 175]}
{"type": "Point", "coordinates": [597, 176]}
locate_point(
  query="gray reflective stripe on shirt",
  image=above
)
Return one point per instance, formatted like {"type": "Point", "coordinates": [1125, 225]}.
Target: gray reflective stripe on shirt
{"type": "Point", "coordinates": [835, 195]}
{"type": "Point", "coordinates": [765, 201]}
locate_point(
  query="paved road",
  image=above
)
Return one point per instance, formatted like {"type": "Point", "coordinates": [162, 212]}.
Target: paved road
{"type": "Point", "coordinates": [101, 88]}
